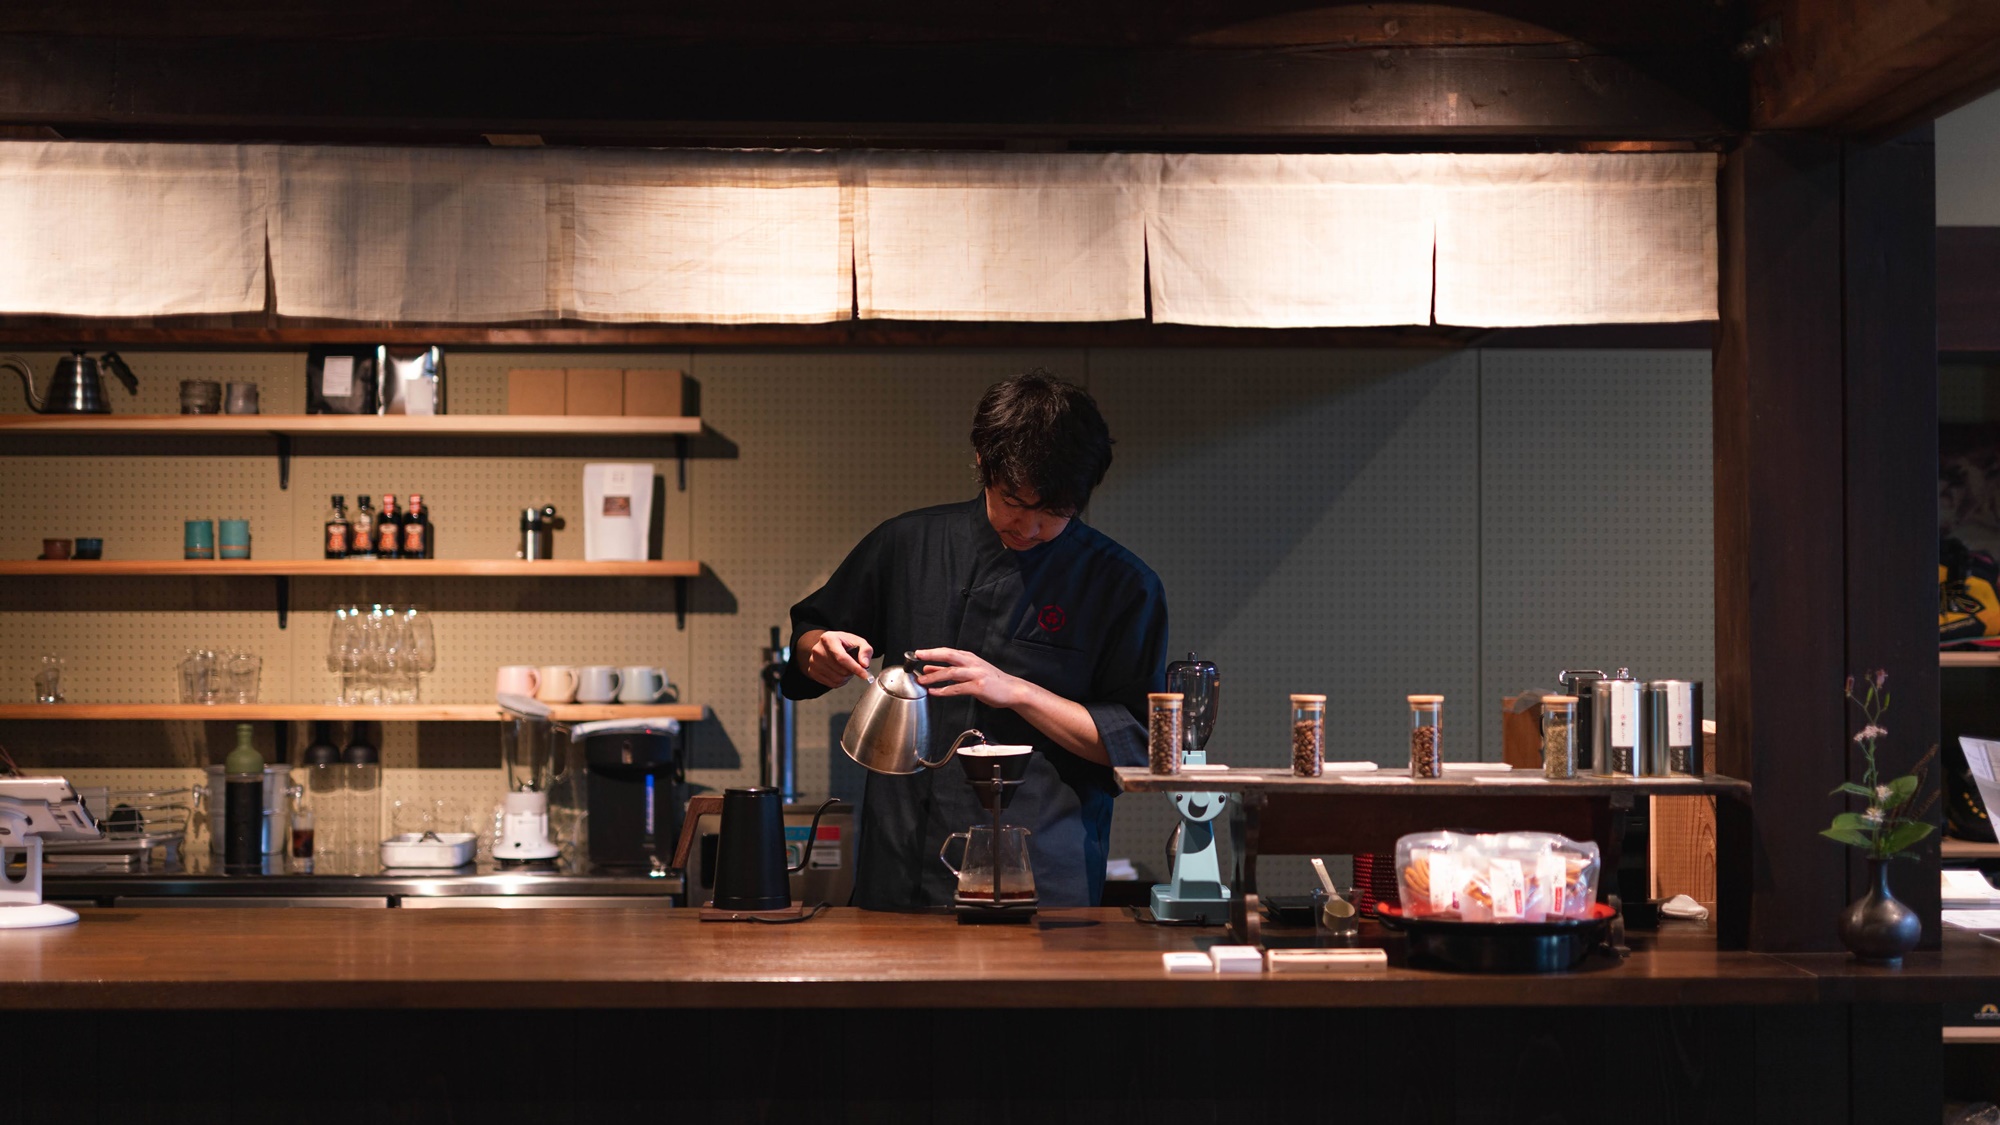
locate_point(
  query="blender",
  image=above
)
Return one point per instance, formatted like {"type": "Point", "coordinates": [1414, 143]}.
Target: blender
{"type": "Point", "coordinates": [530, 760]}
{"type": "Point", "coordinates": [1196, 893]}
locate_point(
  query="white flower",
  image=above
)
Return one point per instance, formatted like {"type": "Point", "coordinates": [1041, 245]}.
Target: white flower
{"type": "Point", "coordinates": [1871, 731]}
{"type": "Point", "coordinates": [1882, 793]}
{"type": "Point", "coordinates": [1873, 815]}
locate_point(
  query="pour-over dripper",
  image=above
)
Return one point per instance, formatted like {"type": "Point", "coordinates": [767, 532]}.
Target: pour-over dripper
{"type": "Point", "coordinates": [995, 772]}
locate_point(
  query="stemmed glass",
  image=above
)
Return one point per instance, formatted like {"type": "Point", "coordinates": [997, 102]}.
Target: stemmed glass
{"type": "Point", "coordinates": [345, 651]}
{"type": "Point", "coordinates": [420, 647]}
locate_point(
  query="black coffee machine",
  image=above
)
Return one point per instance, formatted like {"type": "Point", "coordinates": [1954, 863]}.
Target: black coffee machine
{"type": "Point", "coordinates": [636, 789]}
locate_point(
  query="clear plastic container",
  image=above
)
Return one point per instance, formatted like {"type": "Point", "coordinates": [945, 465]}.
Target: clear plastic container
{"type": "Point", "coordinates": [1559, 737]}
{"type": "Point", "coordinates": [1426, 745]}
{"type": "Point", "coordinates": [1308, 735]}
{"type": "Point", "coordinates": [1163, 731]}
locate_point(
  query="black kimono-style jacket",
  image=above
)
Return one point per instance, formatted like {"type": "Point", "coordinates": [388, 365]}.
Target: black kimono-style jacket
{"type": "Point", "coordinates": [1079, 615]}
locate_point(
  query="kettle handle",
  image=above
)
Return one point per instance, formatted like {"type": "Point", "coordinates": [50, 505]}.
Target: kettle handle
{"type": "Point", "coordinates": [697, 807]}
{"type": "Point", "coordinates": [27, 375]}
{"type": "Point", "coordinates": [951, 750]}
{"type": "Point", "coordinates": [115, 364]}
{"type": "Point", "coordinates": [812, 835]}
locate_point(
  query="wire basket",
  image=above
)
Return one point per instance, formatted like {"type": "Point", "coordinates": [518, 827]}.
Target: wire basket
{"type": "Point", "coordinates": [133, 820]}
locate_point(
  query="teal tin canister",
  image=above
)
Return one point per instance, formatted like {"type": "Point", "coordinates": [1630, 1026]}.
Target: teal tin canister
{"type": "Point", "coordinates": [198, 539]}
{"type": "Point", "coordinates": [235, 539]}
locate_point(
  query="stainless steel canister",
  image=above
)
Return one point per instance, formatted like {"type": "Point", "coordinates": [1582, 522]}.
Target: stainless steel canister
{"type": "Point", "coordinates": [1616, 716]}
{"type": "Point", "coordinates": [1577, 682]}
{"type": "Point", "coordinates": [1673, 728]}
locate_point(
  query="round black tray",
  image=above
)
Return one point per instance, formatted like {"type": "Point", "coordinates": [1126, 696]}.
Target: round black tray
{"type": "Point", "coordinates": [1500, 947]}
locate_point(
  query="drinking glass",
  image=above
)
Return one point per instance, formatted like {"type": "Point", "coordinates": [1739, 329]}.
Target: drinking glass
{"type": "Point", "coordinates": [200, 679]}
{"type": "Point", "coordinates": [245, 669]}
{"type": "Point", "coordinates": [48, 681]}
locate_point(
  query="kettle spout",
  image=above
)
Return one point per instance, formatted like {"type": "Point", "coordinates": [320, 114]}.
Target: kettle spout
{"type": "Point", "coordinates": [27, 375]}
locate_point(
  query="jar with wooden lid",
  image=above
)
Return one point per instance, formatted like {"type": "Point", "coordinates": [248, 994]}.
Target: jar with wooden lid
{"type": "Point", "coordinates": [1559, 737]}
{"type": "Point", "coordinates": [1308, 735]}
{"type": "Point", "coordinates": [1426, 747]}
{"type": "Point", "coordinates": [1163, 731]}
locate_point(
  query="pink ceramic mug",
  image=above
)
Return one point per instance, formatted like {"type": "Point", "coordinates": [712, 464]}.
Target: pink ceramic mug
{"type": "Point", "coordinates": [517, 679]}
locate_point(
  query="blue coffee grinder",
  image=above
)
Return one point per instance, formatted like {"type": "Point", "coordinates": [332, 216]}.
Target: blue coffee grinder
{"type": "Point", "coordinates": [1196, 893]}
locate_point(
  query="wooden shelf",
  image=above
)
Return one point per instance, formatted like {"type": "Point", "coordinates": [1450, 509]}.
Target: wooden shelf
{"type": "Point", "coordinates": [307, 712]}
{"type": "Point", "coordinates": [358, 425]}
{"type": "Point", "coordinates": [1951, 848]}
{"type": "Point", "coordinates": [1972, 1034]}
{"type": "Point", "coordinates": [354, 568]}
{"type": "Point", "coordinates": [1969, 659]}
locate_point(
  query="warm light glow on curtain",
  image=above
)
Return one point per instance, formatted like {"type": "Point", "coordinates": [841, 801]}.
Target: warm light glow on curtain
{"type": "Point", "coordinates": [130, 229]}
{"type": "Point", "coordinates": [1001, 236]}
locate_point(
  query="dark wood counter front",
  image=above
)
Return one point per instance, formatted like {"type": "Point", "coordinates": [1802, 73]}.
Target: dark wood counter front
{"type": "Point", "coordinates": [275, 958]}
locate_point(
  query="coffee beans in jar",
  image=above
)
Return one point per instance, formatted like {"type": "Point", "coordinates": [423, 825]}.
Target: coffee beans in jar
{"type": "Point", "coordinates": [1426, 749]}
{"type": "Point", "coordinates": [1163, 732]}
{"type": "Point", "coordinates": [1308, 735]}
{"type": "Point", "coordinates": [1559, 737]}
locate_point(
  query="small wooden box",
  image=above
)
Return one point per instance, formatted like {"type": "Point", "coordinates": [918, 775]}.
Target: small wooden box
{"type": "Point", "coordinates": [536, 390]}
{"type": "Point", "coordinates": [652, 393]}
{"type": "Point", "coordinates": [595, 390]}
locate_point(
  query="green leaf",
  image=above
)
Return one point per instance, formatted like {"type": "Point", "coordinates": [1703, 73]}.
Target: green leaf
{"type": "Point", "coordinates": [1846, 836]}
{"type": "Point", "coordinates": [1904, 836]}
{"type": "Point", "coordinates": [1901, 790]}
{"type": "Point", "coordinates": [1852, 820]}
{"type": "Point", "coordinates": [1853, 790]}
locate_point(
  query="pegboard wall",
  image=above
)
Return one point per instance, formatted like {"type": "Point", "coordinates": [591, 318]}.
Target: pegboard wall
{"type": "Point", "coordinates": [1361, 523]}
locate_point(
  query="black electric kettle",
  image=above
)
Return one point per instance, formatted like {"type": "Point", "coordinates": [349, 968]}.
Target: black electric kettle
{"type": "Point", "coordinates": [76, 387]}
{"type": "Point", "coordinates": [750, 870]}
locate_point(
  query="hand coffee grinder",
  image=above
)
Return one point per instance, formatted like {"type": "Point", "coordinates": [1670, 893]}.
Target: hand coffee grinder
{"type": "Point", "coordinates": [1196, 893]}
{"type": "Point", "coordinates": [998, 885]}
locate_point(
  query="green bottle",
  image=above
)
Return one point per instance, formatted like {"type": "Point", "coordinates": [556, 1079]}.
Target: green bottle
{"type": "Point", "coordinates": [245, 758]}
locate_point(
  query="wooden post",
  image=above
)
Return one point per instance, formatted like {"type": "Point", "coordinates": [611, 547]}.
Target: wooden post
{"type": "Point", "coordinates": [1825, 401]}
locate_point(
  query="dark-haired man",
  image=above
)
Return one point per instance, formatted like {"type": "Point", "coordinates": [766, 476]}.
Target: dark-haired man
{"type": "Point", "coordinates": [1035, 628]}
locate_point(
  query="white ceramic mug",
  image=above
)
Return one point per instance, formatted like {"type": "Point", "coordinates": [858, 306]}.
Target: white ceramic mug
{"type": "Point", "coordinates": [644, 684]}
{"type": "Point", "coordinates": [517, 679]}
{"type": "Point", "coordinates": [597, 683]}
{"type": "Point", "coordinates": [558, 684]}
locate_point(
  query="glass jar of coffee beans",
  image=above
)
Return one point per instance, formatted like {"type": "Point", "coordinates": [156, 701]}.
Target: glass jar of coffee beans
{"type": "Point", "coordinates": [1426, 750]}
{"type": "Point", "coordinates": [1308, 735]}
{"type": "Point", "coordinates": [1559, 737]}
{"type": "Point", "coordinates": [1163, 731]}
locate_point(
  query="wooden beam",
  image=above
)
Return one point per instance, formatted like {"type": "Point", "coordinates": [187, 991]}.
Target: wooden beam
{"type": "Point", "coordinates": [1875, 66]}
{"type": "Point", "coordinates": [1825, 462]}
{"type": "Point", "coordinates": [1779, 514]}
{"type": "Point", "coordinates": [636, 91]}
{"type": "Point", "coordinates": [1888, 247]}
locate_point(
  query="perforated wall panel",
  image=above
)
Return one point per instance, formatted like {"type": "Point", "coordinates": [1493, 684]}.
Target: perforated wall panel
{"type": "Point", "coordinates": [1597, 505]}
{"type": "Point", "coordinates": [1364, 524]}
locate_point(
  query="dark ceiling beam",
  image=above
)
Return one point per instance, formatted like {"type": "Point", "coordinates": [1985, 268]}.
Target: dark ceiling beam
{"type": "Point", "coordinates": [1244, 23]}
{"type": "Point", "coordinates": [797, 94]}
{"type": "Point", "coordinates": [1872, 66]}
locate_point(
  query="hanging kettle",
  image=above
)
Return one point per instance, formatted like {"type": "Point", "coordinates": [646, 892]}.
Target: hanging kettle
{"type": "Point", "coordinates": [891, 727]}
{"type": "Point", "coordinates": [76, 387]}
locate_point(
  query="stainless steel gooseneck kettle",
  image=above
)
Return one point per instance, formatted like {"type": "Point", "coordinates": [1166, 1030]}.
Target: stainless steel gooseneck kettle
{"type": "Point", "coordinates": [76, 387]}
{"type": "Point", "coordinates": [890, 729]}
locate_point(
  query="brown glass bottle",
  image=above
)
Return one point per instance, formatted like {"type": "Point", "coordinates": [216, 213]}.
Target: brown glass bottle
{"type": "Point", "coordinates": [337, 529]}
{"type": "Point", "coordinates": [417, 529]}
{"type": "Point", "coordinates": [361, 537]}
{"type": "Point", "coordinates": [388, 529]}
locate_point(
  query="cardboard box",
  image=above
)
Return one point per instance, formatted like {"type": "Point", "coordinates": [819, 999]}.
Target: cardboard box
{"type": "Point", "coordinates": [535, 390]}
{"type": "Point", "coordinates": [595, 390]}
{"type": "Point", "coordinates": [652, 393]}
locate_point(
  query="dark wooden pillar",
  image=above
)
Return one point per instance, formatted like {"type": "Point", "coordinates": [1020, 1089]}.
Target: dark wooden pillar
{"type": "Point", "coordinates": [1826, 531]}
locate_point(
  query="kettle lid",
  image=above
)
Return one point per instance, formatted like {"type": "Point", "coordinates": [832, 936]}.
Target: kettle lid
{"type": "Point", "coordinates": [901, 681]}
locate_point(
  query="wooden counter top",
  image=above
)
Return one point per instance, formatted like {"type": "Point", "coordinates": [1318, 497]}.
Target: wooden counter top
{"type": "Point", "coordinates": [612, 958]}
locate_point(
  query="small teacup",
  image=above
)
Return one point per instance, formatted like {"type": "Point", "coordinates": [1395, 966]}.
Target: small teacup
{"type": "Point", "coordinates": [90, 548]}
{"type": "Point", "coordinates": [55, 548]}
{"type": "Point", "coordinates": [597, 683]}
{"type": "Point", "coordinates": [558, 684]}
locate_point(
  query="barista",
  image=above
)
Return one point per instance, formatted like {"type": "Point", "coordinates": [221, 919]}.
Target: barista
{"type": "Point", "coordinates": [1035, 628]}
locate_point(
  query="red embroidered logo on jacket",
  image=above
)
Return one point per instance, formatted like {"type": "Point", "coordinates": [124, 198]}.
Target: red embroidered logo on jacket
{"type": "Point", "coordinates": [1053, 618]}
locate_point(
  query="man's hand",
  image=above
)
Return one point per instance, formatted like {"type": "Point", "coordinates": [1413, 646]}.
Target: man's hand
{"type": "Point", "coordinates": [951, 672]}
{"type": "Point", "coordinates": [828, 659]}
